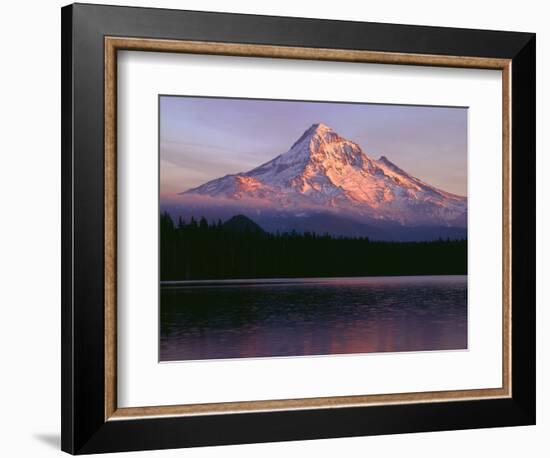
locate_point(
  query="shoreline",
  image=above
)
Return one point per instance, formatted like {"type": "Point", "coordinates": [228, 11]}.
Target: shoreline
{"type": "Point", "coordinates": [300, 280]}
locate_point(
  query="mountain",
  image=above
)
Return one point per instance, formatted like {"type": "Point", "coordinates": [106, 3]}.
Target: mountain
{"type": "Point", "coordinates": [327, 223]}
{"type": "Point", "coordinates": [326, 174]}
{"type": "Point", "coordinates": [241, 223]}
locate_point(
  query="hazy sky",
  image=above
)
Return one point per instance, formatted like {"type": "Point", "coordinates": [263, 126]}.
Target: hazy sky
{"type": "Point", "coordinates": [206, 138]}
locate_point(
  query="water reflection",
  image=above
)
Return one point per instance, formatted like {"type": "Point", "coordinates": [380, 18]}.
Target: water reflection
{"type": "Point", "coordinates": [215, 320]}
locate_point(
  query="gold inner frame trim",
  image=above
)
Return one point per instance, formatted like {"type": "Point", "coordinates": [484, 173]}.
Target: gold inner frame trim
{"type": "Point", "coordinates": [114, 44]}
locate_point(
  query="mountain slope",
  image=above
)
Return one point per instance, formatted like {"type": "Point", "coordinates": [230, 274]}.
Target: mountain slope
{"type": "Point", "coordinates": [324, 172]}
{"type": "Point", "coordinates": [241, 223]}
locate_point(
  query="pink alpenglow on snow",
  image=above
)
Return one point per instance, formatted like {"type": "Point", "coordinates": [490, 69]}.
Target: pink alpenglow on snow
{"type": "Point", "coordinates": [324, 172]}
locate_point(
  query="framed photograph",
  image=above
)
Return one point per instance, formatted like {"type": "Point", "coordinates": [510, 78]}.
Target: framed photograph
{"type": "Point", "coordinates": [281, 228]}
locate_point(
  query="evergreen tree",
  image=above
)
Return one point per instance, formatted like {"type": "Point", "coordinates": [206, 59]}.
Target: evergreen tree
{"type": "Point", "coordinates": [192, 251]}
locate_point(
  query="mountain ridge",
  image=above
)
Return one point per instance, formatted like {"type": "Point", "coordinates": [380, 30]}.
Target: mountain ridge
{"type": "Point", "coordinates": [324, 172]}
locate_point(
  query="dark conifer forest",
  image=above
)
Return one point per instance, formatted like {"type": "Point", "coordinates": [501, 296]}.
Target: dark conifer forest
{"type": "Point", "coordinates": [239, 248]}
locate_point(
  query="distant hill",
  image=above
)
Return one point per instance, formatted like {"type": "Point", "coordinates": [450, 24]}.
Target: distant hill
{"type": "Point", "coordinates": [346, 227]}
{"type": "Point", "coordinates": [241, 223]}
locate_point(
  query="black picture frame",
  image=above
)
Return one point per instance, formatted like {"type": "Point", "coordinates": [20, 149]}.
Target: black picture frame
{"type": "Point", "coordinates": [84, 428]}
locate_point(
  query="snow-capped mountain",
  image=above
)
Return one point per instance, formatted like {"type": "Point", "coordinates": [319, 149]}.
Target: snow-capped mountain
{"type": "Point", "coordinates": [325, 173]}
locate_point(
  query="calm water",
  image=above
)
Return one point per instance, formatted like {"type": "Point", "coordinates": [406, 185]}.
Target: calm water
{"type": "Point", "coordinates": [260, 318]}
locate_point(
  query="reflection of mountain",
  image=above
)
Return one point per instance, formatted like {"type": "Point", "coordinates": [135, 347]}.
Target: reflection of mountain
{"type": "Point", "coordinates": [326, 183]}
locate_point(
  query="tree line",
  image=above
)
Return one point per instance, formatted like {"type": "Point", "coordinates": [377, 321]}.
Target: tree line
{"type": "Point", "coordinates": [198, 250]}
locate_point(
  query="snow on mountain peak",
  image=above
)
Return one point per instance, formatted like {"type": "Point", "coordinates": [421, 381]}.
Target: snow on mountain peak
{"type": "Point", "coordinates": [320, 143]}
{"type": "Point", "coordinates": [317, 133]}
{"type": "Point", "coordinates": [325, 170]}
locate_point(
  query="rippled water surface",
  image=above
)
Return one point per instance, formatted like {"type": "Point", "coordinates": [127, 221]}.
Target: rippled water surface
{"type": "Point", "coordinates": [296, 317]}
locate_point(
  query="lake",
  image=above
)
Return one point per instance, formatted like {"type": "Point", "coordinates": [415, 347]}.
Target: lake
{"type": "Point", "coordinates": [315, 316]}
